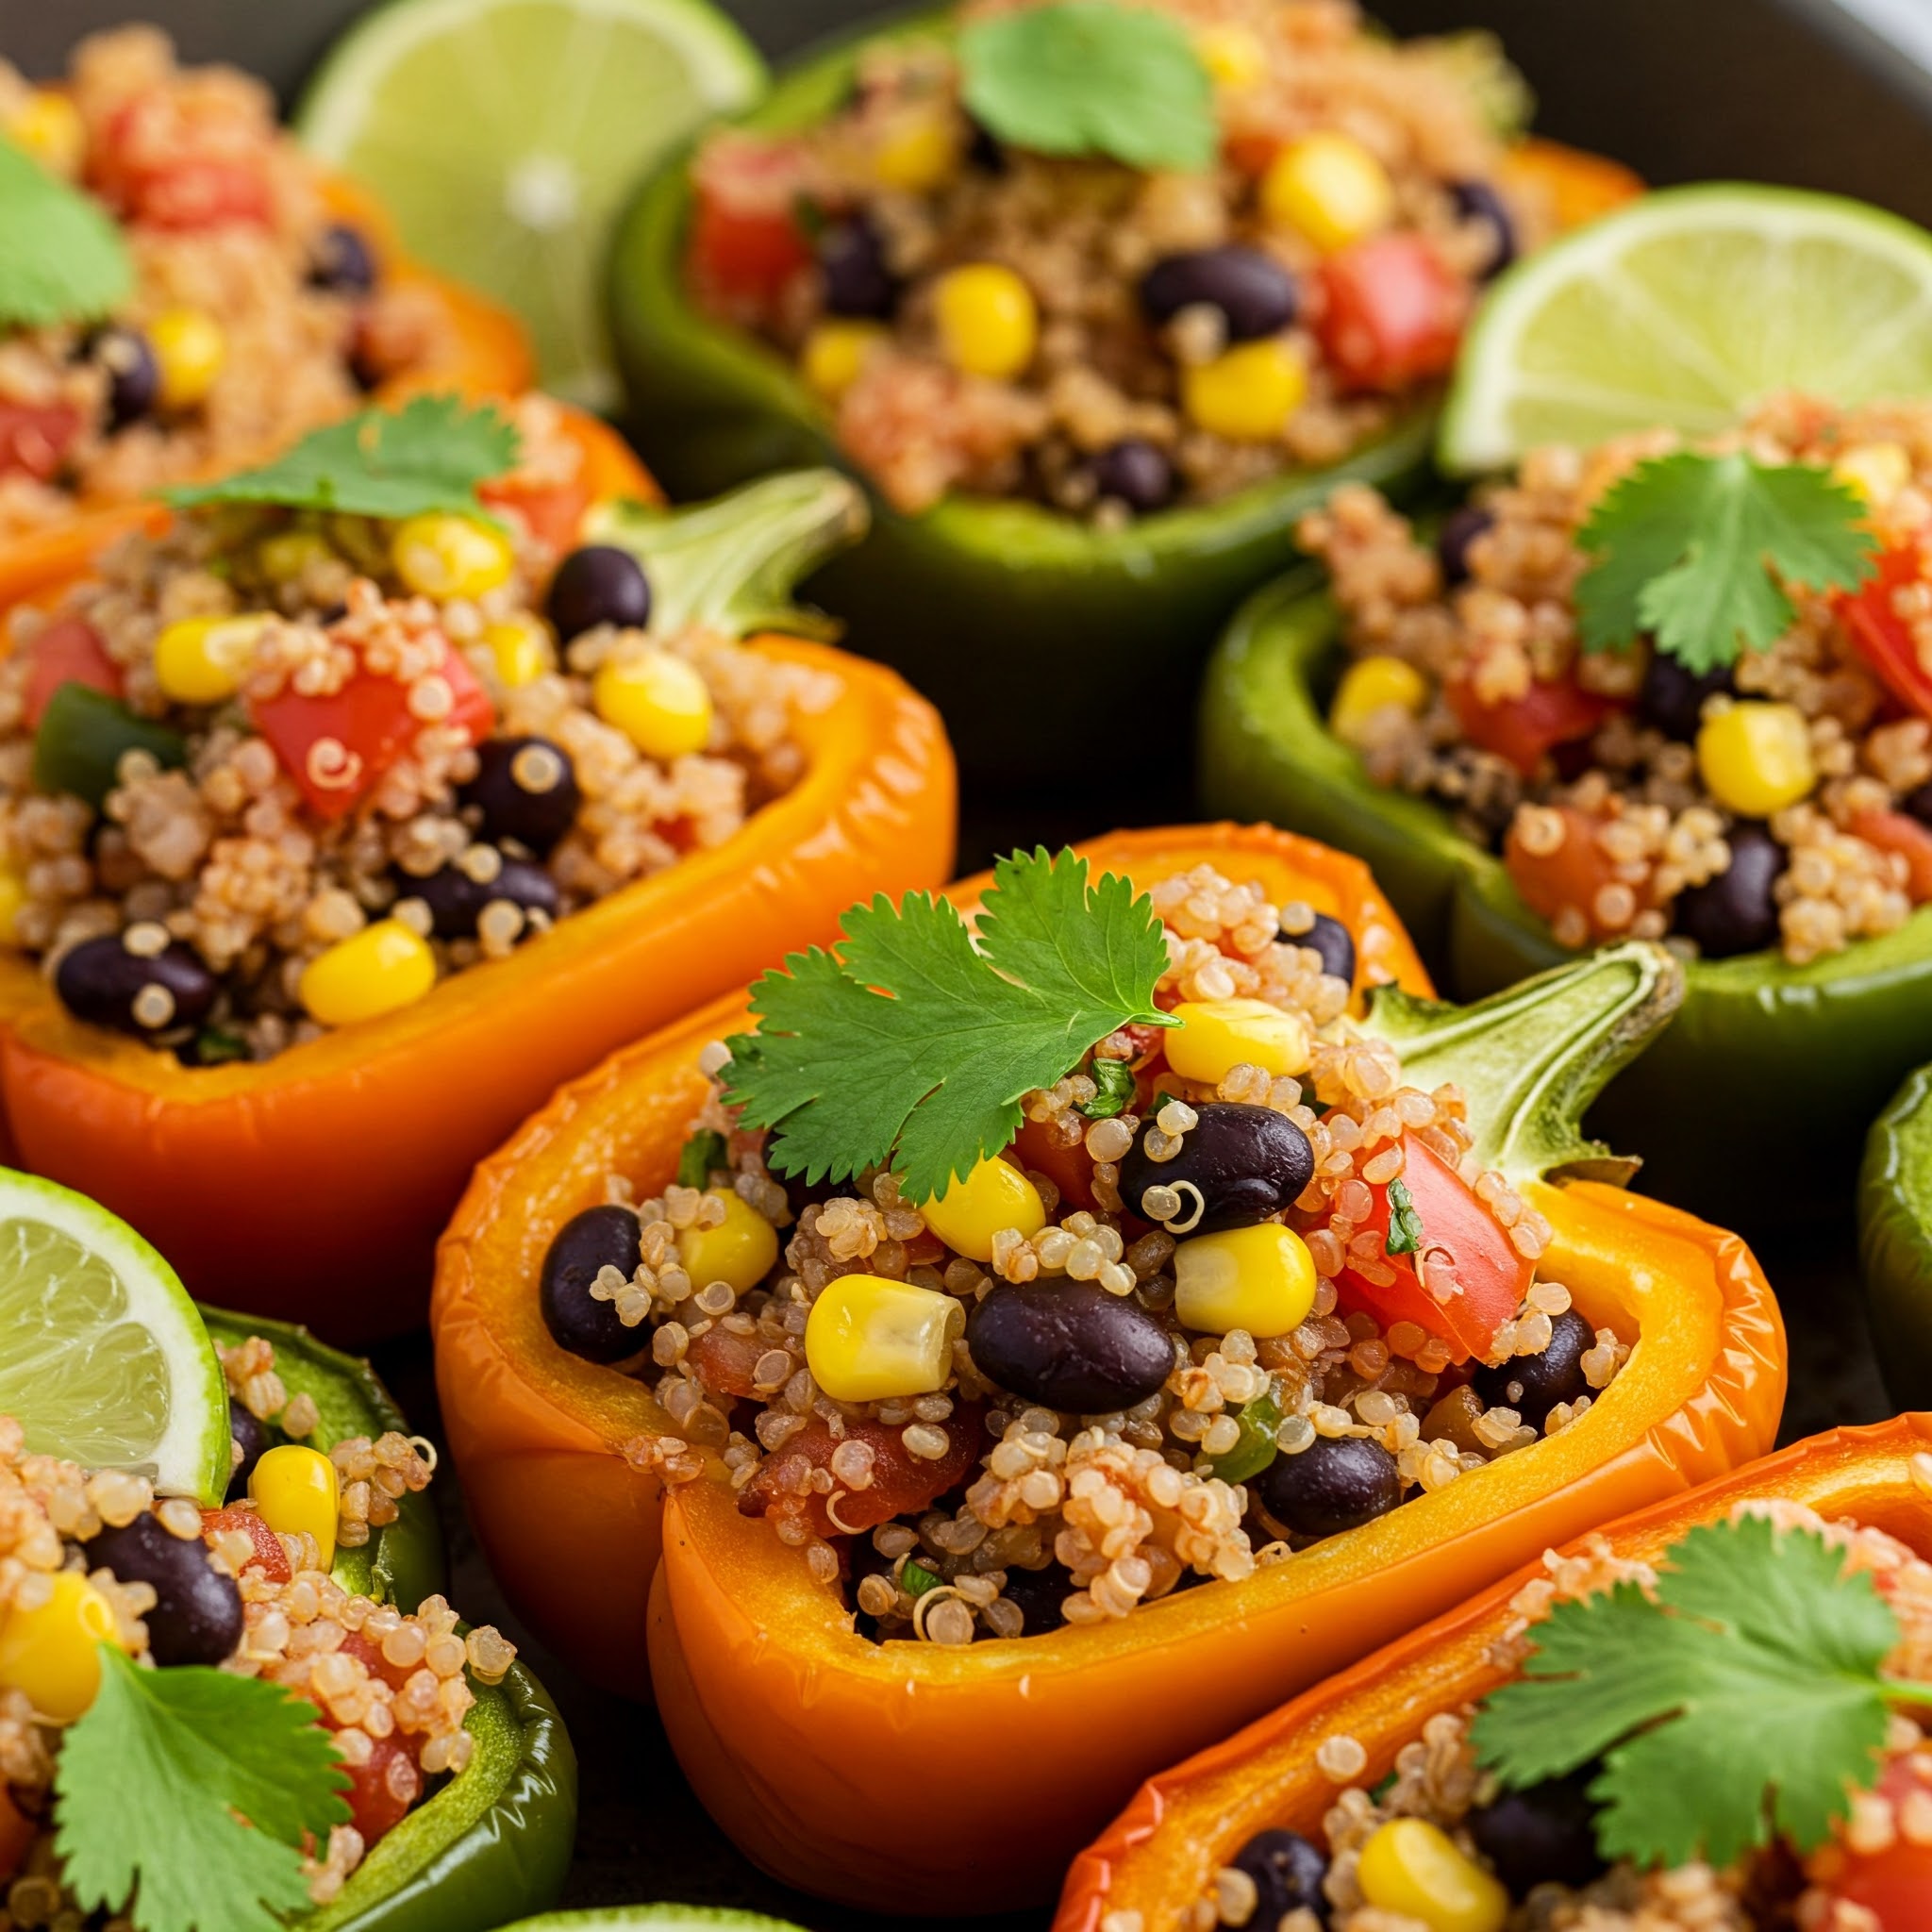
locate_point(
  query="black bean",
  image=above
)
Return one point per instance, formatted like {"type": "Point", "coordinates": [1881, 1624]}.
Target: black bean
{"type": "Point", "coordinates": [1737, 911]}
{"type": "Point", "coordinates": [852, 260]}
{"type": "Point", "coordinates": [1533, 1385]}
{"type": "Point", "coordinates": [598, 584]}
{"type": "Point", "coordinates": [1333, 941]}
{"type": "Point", "coordinates": [1919, 804]}
{"type": "Point", "coordinates": [1248, 1163]}
{"type": "Point", "coordinates": [197, 1613]}
{"type": "Point", "coordinates": [101, 981]}
{"type": "Point", "coordinates": [455, 900]}
{"type": "Point", "coordinates": [984, 152]}
{"type": "Point", "coordinates": [1543, 1835]}
{"type": "Point", "coordinates": [1336, 1483]}
{"type": "Point", "coordinates": [134, 378]}
{"type": "Point", "coordinates": [1136, 472]}
{"type": "Point", "coordinates": [1288, 1872]}
{"type": "Point", "coordinates": [1040, 1594]}
{"type": "Point", "coordinates": [526, 790]}
{"type": "Point", "coordinates": [597, 1238]}
{"type": "Point", "coordinates": [252, 1433]}
{"type": "Point", "coordinates": [1672, 698]}
{"type": "Point", "coordinates": [1070, 1345]}
{"type": "Point", "coordinates": [801, 1193]}
{"type": "Point", "coordinates": [1255, 295]}
{"type": "Point", "coordinates": [1477, 201]}
{"type": "Point", "coordinates": [1461, 528]}
{"type": "Point", "coordinates": [343, 261]}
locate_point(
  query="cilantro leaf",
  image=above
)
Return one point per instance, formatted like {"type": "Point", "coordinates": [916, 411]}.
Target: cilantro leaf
{"type": "Point", "coordinates": [1696, 551]}
{"type": "Point", "coordinates": [1092, 77]}
{"type": "Point", "coordinates": [1404, 1224]}
{"type": "Point", "coordinates": [429, 455]}
{"type": "Point", "coordinates": [916, 1047]}
{"type": "Point", "coordinates": [61, 257]}
{"type": "Point", "coordinates": [1747, 1696]}
{"type": "Point", "coordinates": [149, 1782]}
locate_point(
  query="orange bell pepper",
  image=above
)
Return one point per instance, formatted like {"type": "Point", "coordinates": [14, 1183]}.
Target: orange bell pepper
{"type": "Point", "coordinates": [312, 1187]}
{"type": "Point", "coordinates": [879, 1775]}
{"type": "Point", "coordinates": [1162, 1852]}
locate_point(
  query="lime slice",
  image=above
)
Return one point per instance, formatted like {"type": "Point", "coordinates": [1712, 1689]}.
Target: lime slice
{"type": "Point", "coordinates": [103, 1358]}
{"type": "Point", "coordinates": [505, 136]}
{"type": "Point", "coordinates": [1685, 309]}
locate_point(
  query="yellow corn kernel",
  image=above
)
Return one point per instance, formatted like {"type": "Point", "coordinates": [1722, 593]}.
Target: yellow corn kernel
{"type": "Point", "coordinates": [1754, 758]}
{"type": "Point", "coordinates": [740, 1249]}
{"type": "Point", "coordinates": [383, 968]}
{"type": "Point", "coordinates": [994, 1195]}
{"type": "Point", "coordinates": [1232, 53]}
{"type": "Point", "coordinates": [657, 700]}
{"type": "Point", "coordinates": [440, 554]}
{"type": "Point", "coordinates": [1412, 1867]}
{"type": "Point", "coordinates": [298, 1493]}
{"type": "Point", "coordinates": [1216, 1035]}
{"type": "Point", "coordinates": [869, 1340]}
{"type": "Point", "coordinates": [1248, 393]}
{"type": "Point", "coordinates": [49, 1654]}
{"type": "Point", "coordinates": [203, 661]}
{"type": "Point", "coordinates": [1329, 189]}
{"type": "Point", "coordinates": [834, 354]}
{"type": "Point", "coordinates": [919, 149]}
{"type": "Point", "coordinates": [1878, 470]}
{"type": "Point", "coordinates": [520, 650]}
{"type": "Point", "coordinates": [12, 898]}
{"type": "Point", "coordinates": [286, 557]}
{"type": "Point", "coordinates": [190, 349]}
{"type": "Point", "coordinates": [1370, 686]}
{"type": "Point", "coordinates": [989, 322]}
{"type": "Point", "coordinates": [1260, 1278]}
{"type": "Point", "coordinates": [48, 125]}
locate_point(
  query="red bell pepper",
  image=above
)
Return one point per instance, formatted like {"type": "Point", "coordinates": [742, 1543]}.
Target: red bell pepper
{"type": "Point", "coordinates": [35, 438]}
{"type": "Point", "coordinates": [69, 651]}
{"type": "Point", "coordinates": [1881, 634]}
{"type": "Point", "coordinates": [1391, 313]}
{"type": "Point", "coordinates": [146, 167]}
{"type": "Point", "coordinates": [1526, 730]}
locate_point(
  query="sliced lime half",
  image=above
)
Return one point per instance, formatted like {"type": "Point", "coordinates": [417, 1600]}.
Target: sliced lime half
{"type": "Point", "coordinates": [103, 1358]}
{"type": "Point", "coordinates": [1685, 309]}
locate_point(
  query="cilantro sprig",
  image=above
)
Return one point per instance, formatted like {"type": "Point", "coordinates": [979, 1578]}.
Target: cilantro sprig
{"type": "Point", "coordinates": [1745, 1699]}
{"type": "Point", "coordinates": [429, 455]}
{"type": "Point", "coordinates": [914, 1045]}
{"type": "Point", "coordinates": [1404, 1224]}
{"type": "Point", "coordinates": [153, 1784]}
{"type": "Point", "coordinates": [1697, 551]}
{"type": "Point", "coordinates": [61, 257]}
{"type": "Point", "coordinates": [1092, 77]}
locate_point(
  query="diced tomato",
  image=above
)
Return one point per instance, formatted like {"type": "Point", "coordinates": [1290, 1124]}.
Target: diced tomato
{"type": "Point", "coordinates": [336, 747]}
{"type": "Point", "coordinates": [1894, 1885]}
{"type": "Point", "coordinates": [901, 1482]}
{"type": "Point", "coordinates": [147, 168]}
{"type": "Point", "coordinates": [552, 513]}
{"type": "Point", "coordinates": [746, 240]}
{"type": "Point", "coordinates": [381, 1791]}
{"type": "Point", "coordinates": [1892, 831]}
{"type": "Point", "coordinates": [1526, 730]}
{"type": "Point", "coordinates": [724, 1360]}
{"type": "Point", "coordinates": [69, 651]}
{"type": "Point", "coordinates": [1070, 1168]}
{"type": "Point", "coordinates": [1880, 633]}
{"type": "Point", "coordinates": [1572, 876]}
{"type": "Point", "coordinates": [1250, 152]}
{"type": "Point", "coordinates": [270, 1557]}
{"type": "Point", "coordinates": [1465, 1245]}
{"type": "Point", "coordinates": [1391, 312]}
{"type": "Point", "coordinates": [395, 1675]}
{"type": "Point", "coordinates": [36, 437]}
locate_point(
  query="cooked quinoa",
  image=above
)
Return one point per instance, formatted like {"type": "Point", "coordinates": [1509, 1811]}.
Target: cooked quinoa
{"type": "Point", "coordinates": [1350, 164]}
{"type": "Point", "coordinates": [256, 312]}
{"type": "Point", "coordinates": [981, 1510]}
{"type": "Point", "coordinates": [191, 903]}
{"type": "Point", "coordinates": [1618, 830]}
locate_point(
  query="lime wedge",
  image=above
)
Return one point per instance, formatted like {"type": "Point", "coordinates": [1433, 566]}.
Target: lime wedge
{"type": "Point", "coordinates": [1682, 310]}
{"type": "Point", "coordinates": [505, 136]}
{"type": "Point", "coordinates": [103, 1358]}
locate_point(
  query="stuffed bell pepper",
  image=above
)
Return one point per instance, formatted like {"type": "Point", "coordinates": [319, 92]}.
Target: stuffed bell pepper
{"type": "Point", "coordinates": [230, 1685]}
{"type": "Point", "coordinates": [184, 291]}
{"type": "Point", "coordinates": [391, 784]}
{"type": "Point", "coordinates": [1895, 1239]}
{"type": "Point", "coordinates": [1040, 1347]}
{"type": "Point", "coordinates": [1096, 297]}
{"type": "Point", "coordinates": [1707, 1715]}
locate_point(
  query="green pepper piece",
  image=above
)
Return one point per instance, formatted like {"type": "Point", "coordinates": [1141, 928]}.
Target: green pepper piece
{"type": "Point", "coordinates": [1751, 1031]}
{"type": "Point", "coordinates": [81, 736]}
{"type": "Point", "coordinates": [1257, 1421]}
{"type": "Point", "coordinates": [1895, 1241]}
{"type": "Point", "coordinates": [703, 1152]}
{"type": "Point", "coordinates": [976, 600]}
{"type": "Point", "coordinates": [1114, 1084]}
{"type": "Point", "coordinates": [915, 1580]}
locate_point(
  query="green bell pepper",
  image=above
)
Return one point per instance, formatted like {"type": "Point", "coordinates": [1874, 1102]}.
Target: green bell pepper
{"type": "Point", "coordinates": [1757, 1042]}
{"type": "Point", "coordinates": [1895, 1241]}
{"type": "Point", "coordinates": [494, 1842]}
{"type": "Point", "coordinates": [981, 603]}
{"type": "Point", "coordinates": [82, 736]}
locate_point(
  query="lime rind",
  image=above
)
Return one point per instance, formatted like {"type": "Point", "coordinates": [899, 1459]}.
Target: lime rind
{"type": "Point", "coordinates": [102, 1357]}
{"type": "Point", "coordinates": [1685, 309]}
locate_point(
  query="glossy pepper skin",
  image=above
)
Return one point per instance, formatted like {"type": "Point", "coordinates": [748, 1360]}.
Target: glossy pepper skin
{"type": "Point", "coordinates": [1004, 589]}
{"type": "Point", "coordinates": [1895, 1239]}
{"type": "Point", "coordinates": [496, 1840]}
{"type": "Point", "coordinates": [1752, 1031]}
{"type": "Point", "coordinates": [342, 1158]}
{"type": "Point", "coordinates": [1163, 1850]}
{"type": "Point", "coordinates": [487, 353]}
{"type": "Point", "coordinates": [997, 1812]}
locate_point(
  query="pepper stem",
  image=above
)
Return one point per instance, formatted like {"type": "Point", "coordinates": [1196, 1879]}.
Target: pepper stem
{"type": "Point", "coordinates": [1533, 1058]}
{"type": "Point", "coordinates": [732, 563]}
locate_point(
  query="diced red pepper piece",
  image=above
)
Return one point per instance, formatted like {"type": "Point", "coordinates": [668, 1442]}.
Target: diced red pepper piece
{"type": "Point", "coordinates": [1893, 1885]}
{"type": "Point", "coordinates": [1069, 1168]}
{"type": "Point", "coordinates": [356, 1644]}
{"type": "Point", "coordinates": [1391, 312]}
{"type": "Point", "coordinates": [552, 513]}
{"type": "Point", "coordinates": [69, 651]}
{"type": "Point", "coordinates": [1463, 1244]}
{"type": "Point", "coordinates": [146, 167]}
{"type": "Point", "coordinates": [1880, 633]}
{"type": "Point", "coordinates": [901, 1481]}
{"type": "Point", "coordinates": [271, 1556]}
{"type": "Point", "coordinates": [36, 437]}
{"type": "Point", "coordinates": [1892, 831]}
{"type": "Point", "coordinates": [382, 1789]}
{"type": "Point", "coordinates": [745, 240]}
{"type": "Point", "coordinates": [724, 1360]}
{"type": "Point", "coordinates": [1572, 876]}
{"type": "Point", "coordinates": [1526, 730]}
{"type": "Point", "coordinates": [337, 747]}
